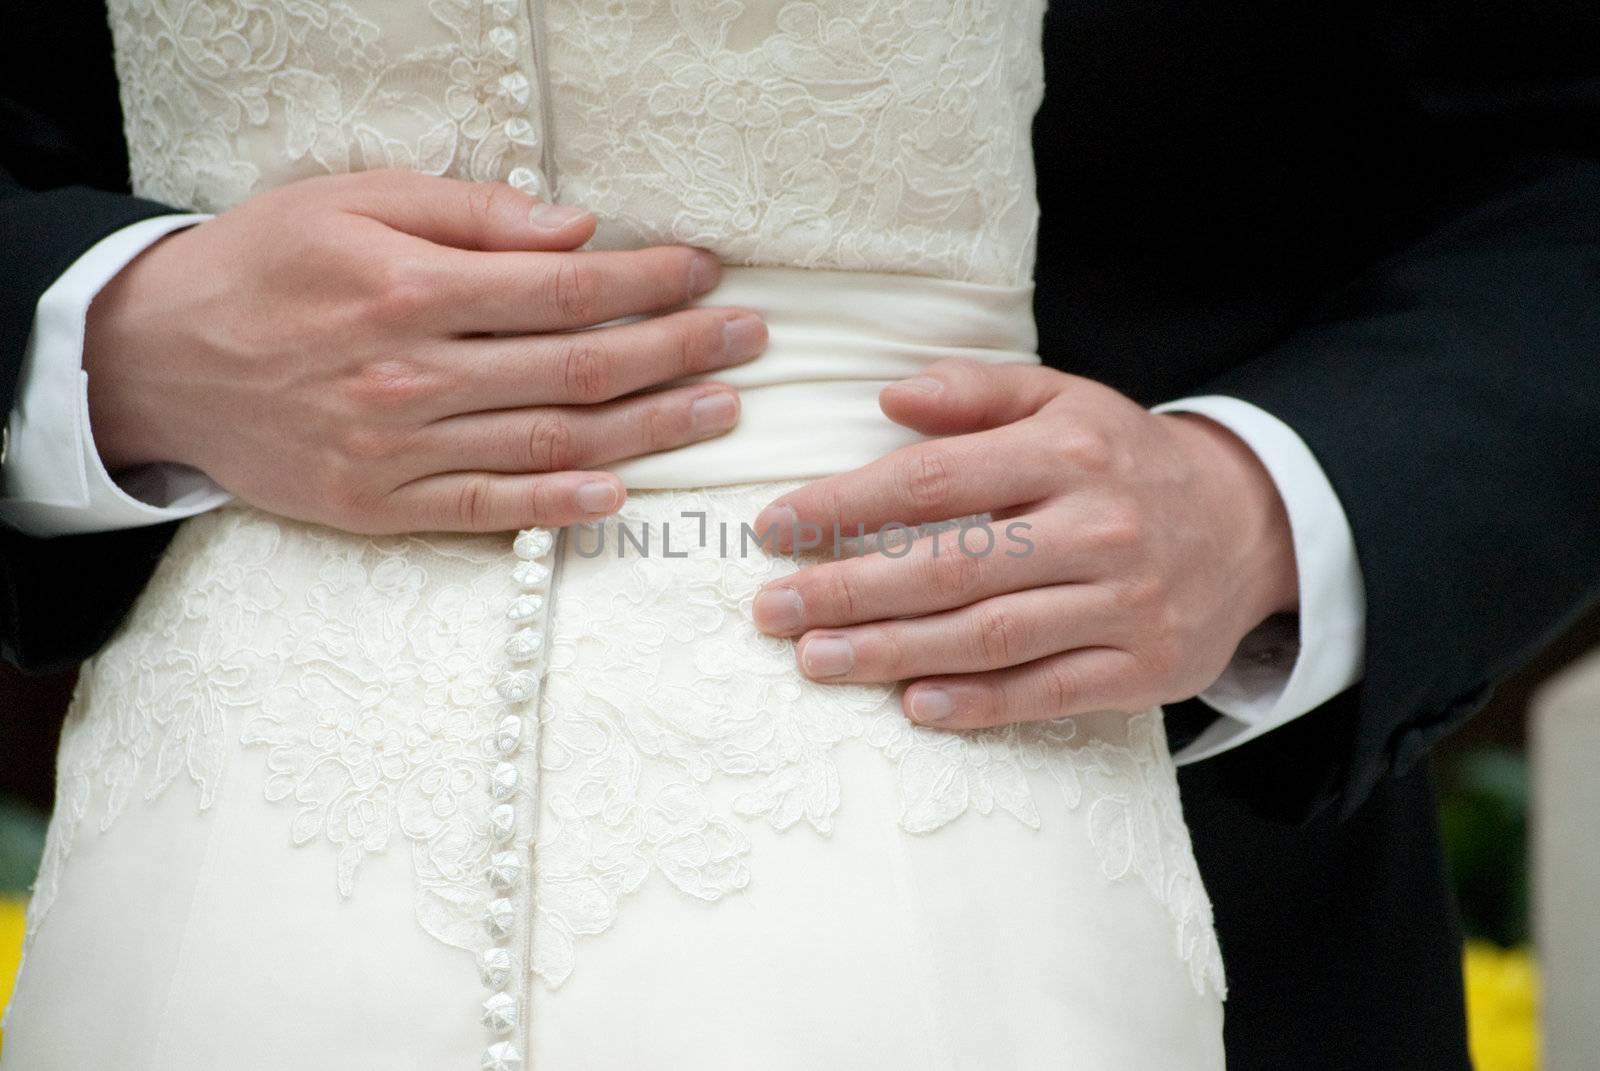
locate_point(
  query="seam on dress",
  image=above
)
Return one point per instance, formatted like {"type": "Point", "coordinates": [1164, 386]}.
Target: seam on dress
{"type": "Point", "coordinates": [220, 819]}
{"type": "Point", "coordinates": [916, 924]}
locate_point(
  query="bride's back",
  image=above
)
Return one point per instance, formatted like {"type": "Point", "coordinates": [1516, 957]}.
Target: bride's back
{"type": "Point", "coordinates": [890, 135]}
{"type": "Point", "coordinates": [316, 774]}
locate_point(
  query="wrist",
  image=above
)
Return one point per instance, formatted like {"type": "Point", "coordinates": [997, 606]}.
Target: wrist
{"type": "Point", "coordinates": [1240, 492]}
{"type": "Point", "coordinates": [122, 347]}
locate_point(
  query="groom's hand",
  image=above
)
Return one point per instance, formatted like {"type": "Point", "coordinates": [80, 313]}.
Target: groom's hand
{"type": "Point", "coordinates": [1157, 543]}
{"type": "Point", "coordinates": [389, 352]}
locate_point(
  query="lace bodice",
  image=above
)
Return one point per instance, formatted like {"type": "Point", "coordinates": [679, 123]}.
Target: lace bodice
{"type": "Point", "coordinates": [886, 135]}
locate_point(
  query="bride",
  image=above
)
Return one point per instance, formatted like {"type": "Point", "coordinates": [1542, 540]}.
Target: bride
{"type": "Point", "coordinates": [448, 801]}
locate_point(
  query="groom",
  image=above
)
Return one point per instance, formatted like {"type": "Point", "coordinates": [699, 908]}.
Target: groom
{"type": "Point", "coordinates": [1357, 252]}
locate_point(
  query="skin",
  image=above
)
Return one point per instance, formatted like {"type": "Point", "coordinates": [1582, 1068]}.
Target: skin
{"type": "Point", "coordinates": [410, 351]}
{"type": "Point", "coordinates": [421, 354]}
{"type": "Point", "coordinates": [1159, 542]}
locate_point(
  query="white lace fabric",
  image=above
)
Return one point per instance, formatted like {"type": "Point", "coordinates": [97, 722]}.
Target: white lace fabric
{"type": "Point", "coordinates": [313, 770]}
{"type": "Point", "coordinates": [891, 135]}
{"type": "Point", "coordinates": [350, 683]}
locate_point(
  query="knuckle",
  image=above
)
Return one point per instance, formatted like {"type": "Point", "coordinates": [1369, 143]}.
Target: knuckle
{"type": "Point", "coordinates": [840, 597]}
{"type": "Point", "coordinates": [401, 291]}
{"type": "Point", "coordinates": [692, 344]}
{"type": "Point", "coordinates": [549, 446]}
{"type": "Point", "coordinates": [987, 705]}
{"type": "Point", "coordinates": [662, 426]}
{"type": "Point", "coordinates": [575, 291]}
{"type": "Point", "coordinates": [538, 501]}
{"type": "Point", "coordinates": [585, 372]}
{"type": "Point", "coordinates": [1085, 449]}
{"type": "Point", "coordinates": [884, 650]}
{"type": "Point", "coordinates": [925, 477]}
{"type": "Point", "coordinates": [472, 502]}
{"type": "Point", "coordinates": [389, 383]}
{"type": "Point", "coordinates": [1121, 527]}
{"type": "Point", "coordinates": [484, 200]}
{"type": "Point", "coordinates": [999, 641]}
{"type": "Point", "coordinates": [953, 574]}
{"type": "Point", "coordinates": [1059, 686]}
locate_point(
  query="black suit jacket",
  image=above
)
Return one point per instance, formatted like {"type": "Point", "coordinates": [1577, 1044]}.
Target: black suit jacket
{"type": "Point", "coordinates": [1379, 222]}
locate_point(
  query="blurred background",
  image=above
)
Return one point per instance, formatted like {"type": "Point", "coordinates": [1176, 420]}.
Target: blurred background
{"type": "Point", "coordinates": [1485, 774]}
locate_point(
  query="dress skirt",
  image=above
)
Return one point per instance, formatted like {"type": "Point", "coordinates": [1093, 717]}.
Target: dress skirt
{"type": "Point", "coordinates": [431, 802]}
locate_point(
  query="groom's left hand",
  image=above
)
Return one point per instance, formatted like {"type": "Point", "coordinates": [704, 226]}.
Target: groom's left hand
{"type": "Point", "coordinates": [1157, 543]}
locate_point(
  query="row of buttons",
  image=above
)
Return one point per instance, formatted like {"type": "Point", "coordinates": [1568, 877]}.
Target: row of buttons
{"type": "Point", "coordinates": [513, 96]}
{"type": "Point", "coordinates": [518, 688]}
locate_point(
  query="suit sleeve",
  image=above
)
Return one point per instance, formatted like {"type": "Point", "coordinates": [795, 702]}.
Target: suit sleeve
{"type": "Point", "coordinates": [63, 187]}
{"type": "Point", "coordinates": [1451, 393]}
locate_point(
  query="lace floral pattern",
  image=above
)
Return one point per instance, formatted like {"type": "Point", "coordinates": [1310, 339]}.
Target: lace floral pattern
{"type": "Point", "coordinates": [730, 733]}
{"type": "Point", "coordinates": [358, 666]}
{"type": "Point", "coordinates": [224, 98]}
{"type": "Point", "coordinates": [887, 135]}
{"type": "Point", "coordinates": [362, 672]}
{"type": "Point", "coordinates": [891, 135]}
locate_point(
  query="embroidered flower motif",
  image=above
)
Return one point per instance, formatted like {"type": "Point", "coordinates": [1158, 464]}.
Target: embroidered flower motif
{"type": "Point", "coordinates": [366, 671]}
{"type": "Point", "coordinates": [205, 88]}
{"type": "Point", "coordinates": [892, 135]}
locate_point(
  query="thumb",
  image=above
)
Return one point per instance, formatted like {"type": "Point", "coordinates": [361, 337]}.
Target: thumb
{"type": "Point", "coordinates": [959, 396]}
{"type": "Point", "coordinates": [486, 216]}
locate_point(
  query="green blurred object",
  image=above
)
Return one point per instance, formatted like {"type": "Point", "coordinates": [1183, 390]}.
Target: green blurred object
{"type": "Point", "coordinates": [21, 844]}
{"type": "Point", "coordinates": [1485, 817]}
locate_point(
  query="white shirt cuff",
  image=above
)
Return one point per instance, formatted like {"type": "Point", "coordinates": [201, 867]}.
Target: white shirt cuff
{"type": "Point", "coordinates": [1282, 669]}
{"type": "Point", "coordinates": [55, 482]}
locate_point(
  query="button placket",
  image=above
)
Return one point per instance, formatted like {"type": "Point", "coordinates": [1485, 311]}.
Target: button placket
{"type": "Point", "coordinates": [514, 104]}
{"type": "Point", "coordinates": [512, 101]}
{"type": "Point", "coordinates": [513, 806]}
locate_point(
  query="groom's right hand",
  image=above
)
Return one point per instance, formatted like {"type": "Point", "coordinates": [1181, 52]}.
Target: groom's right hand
{"type": "Point", "coordinates": [387, 352]}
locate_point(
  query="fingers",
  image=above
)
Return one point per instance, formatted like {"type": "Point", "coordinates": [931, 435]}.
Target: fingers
{"type": "Point", "coordinates": [1060, 685]}
{"type": "Point", "coordinates": [556, 438]}
{"type": "Point", "coordinates": [930, 481]}
{"type": "Point", "coordinates": [991, 634]}
{"type": "Point", "coordinates": [489, 216]}
{"type": "Point", "coordinates": [587, 367]}
{"type": "Point", "coordinates": [528, 293]}
{"type": "Point", "coordinates": [957, 396]}
{"type": "Point", "coordinates": [493, 502]}
{"type": "Point", "coordinates": [934, 574]}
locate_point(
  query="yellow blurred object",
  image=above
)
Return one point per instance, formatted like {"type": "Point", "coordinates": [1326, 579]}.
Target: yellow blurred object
{"type": "Point", "coordinates": [1502, 1007]}
{"type": "Point", "coordinates": [13, 923]}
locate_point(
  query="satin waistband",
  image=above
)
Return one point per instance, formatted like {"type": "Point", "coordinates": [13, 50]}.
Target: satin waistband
{"type": "Point", "coordinates": [809, 403]}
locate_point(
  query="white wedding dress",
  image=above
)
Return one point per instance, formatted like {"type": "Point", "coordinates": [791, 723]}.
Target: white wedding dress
{"type": "Point", "coordinates": [433, 802]}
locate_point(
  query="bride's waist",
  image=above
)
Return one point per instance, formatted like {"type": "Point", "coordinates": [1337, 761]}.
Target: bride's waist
{"type": "Point", "coordinates": [809, 403]}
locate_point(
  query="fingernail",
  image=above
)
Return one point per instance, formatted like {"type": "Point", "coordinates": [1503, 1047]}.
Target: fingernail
{"type": "Point", "coordinates": [743, 337]}
{"type": "Point", "coordinates": [919, 385]}
{"type": "Point", "coordinates": [704, 272]}
{"type": "Point", "coordinates": [597, 496]}
{"type": "Point", "coordinates": [931, 705]}
{"type": "Point", "coordinates": [781, 518]}
{"type": "Point", "coordinates": [827, 656]}
{"type": "Point", "coordinates": [554, 217]}
{"type": "Point", "coordinates": [713, 414]}
{"type": "Point", "coordinates": [780, 610]}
